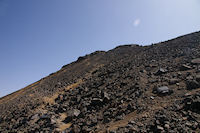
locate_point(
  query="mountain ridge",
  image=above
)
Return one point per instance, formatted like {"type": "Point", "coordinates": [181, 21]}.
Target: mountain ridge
{"type": "Point", "coordinates": [113, 86]}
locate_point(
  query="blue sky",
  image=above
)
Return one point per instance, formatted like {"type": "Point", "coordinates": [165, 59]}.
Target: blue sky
{"type": "Point", "coordinates": [38, 37]}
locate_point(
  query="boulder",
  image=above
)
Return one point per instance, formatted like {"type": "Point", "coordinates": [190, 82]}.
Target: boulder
{"type": "Point", "coordinates": [163, 90]}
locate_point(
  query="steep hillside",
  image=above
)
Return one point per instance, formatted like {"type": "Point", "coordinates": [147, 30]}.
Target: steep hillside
{"type": "Point", "coordinates": [130, 88]}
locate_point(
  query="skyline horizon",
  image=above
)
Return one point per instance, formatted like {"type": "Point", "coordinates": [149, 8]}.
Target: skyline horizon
{"type": "Point", "coordinates": [93, 52]}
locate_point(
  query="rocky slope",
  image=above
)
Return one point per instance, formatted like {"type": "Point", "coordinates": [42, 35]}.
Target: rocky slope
{"type": "Point", "coordinates": [131, 88]}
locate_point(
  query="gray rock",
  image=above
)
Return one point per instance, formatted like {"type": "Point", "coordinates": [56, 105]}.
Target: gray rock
{"type": "Point", "coordinates": [185, 67]}
{"type": "Point", "coordinates": [167, 126]}
{"type": "Point", "coordinates": [106, 96]}
{"type": "Point", "coordinates": [173, 81]}
{"type": "Point", "coordinates": [34, 117]}
{"type": "Point", "coordinates": [96, 102]}
{"type": "Point", "coordinates": [160, 128]}
{"type": "Point", "coordinates": [53, 121]}
{"type": "Point", "coordinates": [132, 122]}
{"type": "Point", "coordinates": [76, 112]}
{"type": "Point", "coordinates": [196, 61]}
{"type": "Point", "coordinates": [162, 90]}
{"type": "Point", "coordinates": [45, 116]}
{"type": "Point", "coordinates": [152, 97]}
{"type": "Point", "coordinates": [161, 71]}
{"type": "Point", "coordinates": [120, 117]}
{"type": "Point", "coordinates": [188, 124]}
{"type": "Point", "coordinates": [106, 113]}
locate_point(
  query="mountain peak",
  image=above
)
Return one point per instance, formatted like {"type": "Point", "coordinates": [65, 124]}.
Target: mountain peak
{"type": "Point", "coordinates": [130, 88]}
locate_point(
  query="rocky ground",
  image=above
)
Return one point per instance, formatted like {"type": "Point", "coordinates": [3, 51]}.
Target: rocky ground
{"type": "Point", "coordinates": [131, 88]}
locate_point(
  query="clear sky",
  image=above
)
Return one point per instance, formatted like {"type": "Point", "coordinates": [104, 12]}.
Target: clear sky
{"type": "Point", "coordinates": [38, 37]}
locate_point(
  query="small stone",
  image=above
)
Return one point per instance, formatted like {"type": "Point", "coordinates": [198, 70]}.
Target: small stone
{"type": "Point", "coordinates": [196, 61]}
{"type": "Point", "coordinates": [107, 113]}
{"type": "Point", "coordinates": [152, 97]}
{"type": "Point", "coordinates": [161, 71]}
{"type": "Point", "coordinates": [36, 116]}
{"type": "Point", "coordinates": [189, 78]}
{"type": "Point", "coordinates": [76, 112]}
{"type": "Point", "coordinates": [157, 122]}
{"type": "Point", "coordinates": [160, 128]}
{"type": "Point", "coordinates": [119, 117]}
{"type": "Point", "coordinates": [61, 97]}
{"type": "Point", "coordinates": [132, 122]}
{"type": "Point", "coordinates": [45, 116]}
{"type": "Point", "coordinates": [106, 96]}
{"type": "Point", "coordinates": [129, 126]}
{"type": "Point", "coordinates": [53, 121]}
{"type": "Point", "coordinates": [184, 118]}
{"type": "Point", "coordinates": [173, 81]}
{"type": "Point", "coordinates": [143, 71]}
{"type": "Point", "coordinates": [188, 124]}
{"type": "Point", "coordinates": [167, 126]}
{"type": "Point", "coordinates": [185, 67]}
{"type": "Point", "coordinates": [163, 90]}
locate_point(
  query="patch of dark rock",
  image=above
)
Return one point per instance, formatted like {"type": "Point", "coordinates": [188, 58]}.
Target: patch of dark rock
{"type": "Point", "coordinates": [96, 102]}
{"type": "Point", "coordinates": [106, 120]}
{"type": "Point", "coordinates": [68, 119]}
{"type": "Point", "coordinates": [60, 109]}
{"type": "Point", "coordinates": [130, 107]}
{"type": "Point", "coordinates": [198, 78]}
{"type": "Point", "coordinates": [192, 84]}
{"type": "Point", "coordinates": [192, 105]}
{"type": "Point", "coordinates": [59, 99]}
{"type": "Point", "coordinates": [81, 58]}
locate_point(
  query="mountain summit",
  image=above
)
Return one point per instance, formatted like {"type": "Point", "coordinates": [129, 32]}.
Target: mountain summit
{"type": "Point", "coordinates": [130, 88]}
